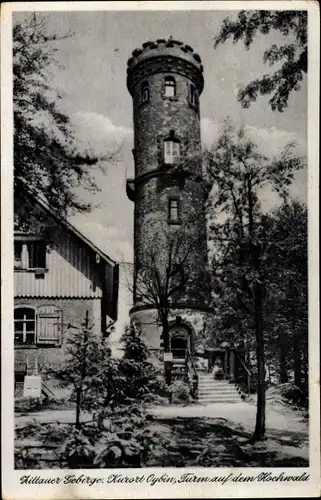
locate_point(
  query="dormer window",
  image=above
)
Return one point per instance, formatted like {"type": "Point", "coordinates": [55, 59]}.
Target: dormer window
{"type": "Point", "coordinates": [172, 151]}
{"type": "Point", "coordinates": [193, 96]}
{"type": "Point", "coordinates": [169, 86]}
{"type": "Point", "coordinates": [29, 254]}
{"type": "Point", "coordinates": [144, 92]}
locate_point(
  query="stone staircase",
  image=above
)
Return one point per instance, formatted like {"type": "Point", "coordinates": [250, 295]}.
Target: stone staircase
{"type": "Point", "coordinates": [216, 391]}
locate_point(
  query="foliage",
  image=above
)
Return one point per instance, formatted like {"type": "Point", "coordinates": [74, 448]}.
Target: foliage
{"type": "Point", "coordinates": [287, 292]}
{"type": "Point", "coordinates": [164, 275]}
{"type": "Point", "coordinates": [291, 58]}
{"type": "Point", "coordinates": [238, 172]}
{"type": "Point", "coordinates": [145, 382]}
{"type": "Point", "coordinates": [46, 157]}
{"type": "Point", "coordinates": [180, 392]}
{"type": "Point", "coordinates": [135, 348]}
{"type": "Point", "coordinates": [293, 395]}
{"type": "Point", "coordinates": [114, 393]}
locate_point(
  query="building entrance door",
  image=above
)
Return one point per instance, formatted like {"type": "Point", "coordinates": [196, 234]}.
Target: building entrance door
{"type": "Point", "coordinates": [179, 341]}
{"type": "Point", "coordinates": [179, 347]}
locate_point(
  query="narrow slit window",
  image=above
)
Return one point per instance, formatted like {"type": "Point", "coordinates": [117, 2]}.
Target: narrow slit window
{"type": "Point", "coordinates": [173, 210]}
{"type": "Point", "coordinates": [193, 95]}
{"type": "Point", "coordinates": [144, 92]}
{"type": "Point", "coordinates": [169, 86]}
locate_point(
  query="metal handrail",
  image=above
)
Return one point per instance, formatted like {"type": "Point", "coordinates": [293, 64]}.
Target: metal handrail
{"type": "Point", "coordinates": [189, 363]}
{"type": "Point", "coordinates": [248, 374]}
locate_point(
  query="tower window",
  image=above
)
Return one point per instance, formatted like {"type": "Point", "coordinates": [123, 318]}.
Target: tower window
{"type": "Point", "coordinates": [172, 151]}
{"type": "Point", "coordinates": [169, 86]}
{"type": "Point", "coordinates": [173, 210]}
{"type": "Point", "coordinates": [193, 95]}
{"type": "Point", "coordinates": [144, 92]}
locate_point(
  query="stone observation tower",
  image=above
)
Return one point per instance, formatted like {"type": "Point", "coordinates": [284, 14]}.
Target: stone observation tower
{"type": "Point", "coordinates": [165, 80]}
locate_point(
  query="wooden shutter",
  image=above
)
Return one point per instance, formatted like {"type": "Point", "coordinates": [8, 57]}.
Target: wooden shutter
{"type": "Point", "coordinates": [49, 325]}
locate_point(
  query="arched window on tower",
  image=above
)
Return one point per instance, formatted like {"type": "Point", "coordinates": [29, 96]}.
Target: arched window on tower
{"type": "Point", "coordinates": [169, 86]}
{"type": "Point", "coordinates": [172, 151]}
{"type": "Point", "coordinates": [144, 92]}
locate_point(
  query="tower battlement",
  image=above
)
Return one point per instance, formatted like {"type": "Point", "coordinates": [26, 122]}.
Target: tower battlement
{"type": "Point", "coordinates": [164, 56]}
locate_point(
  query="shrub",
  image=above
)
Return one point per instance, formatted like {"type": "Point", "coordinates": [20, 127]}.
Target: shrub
{"type": "Point", "coordinates": [180, 392]}
{"type": "Point", "coordinates": [115, 392]}
{"type": "Point", "coordinates": [293, 394]}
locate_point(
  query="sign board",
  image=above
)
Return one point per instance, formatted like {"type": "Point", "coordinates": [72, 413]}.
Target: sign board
{"type": "Point", "coordinates": [32, 386]}
{"type": "Point", "coordinates": [168, 356]}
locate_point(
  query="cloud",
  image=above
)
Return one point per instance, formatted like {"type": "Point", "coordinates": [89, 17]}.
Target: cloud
{"type": "Point", "coordinates": [209, 132]}
{"type": "Point", "coordinates": [98, 133]}
{"type": "Point", "coordinates": [270, 140]}
{"type": "Point", "coordinates": [110, 240]}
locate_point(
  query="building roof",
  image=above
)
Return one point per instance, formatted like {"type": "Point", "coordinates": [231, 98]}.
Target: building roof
{"type": "Point", "coordinates": [43, 203]}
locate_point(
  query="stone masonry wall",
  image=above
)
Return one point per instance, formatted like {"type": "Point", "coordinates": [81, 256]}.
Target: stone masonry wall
{"type": "Point", "coordinates": [158, 118]}
{"type": "Point", "coordinates": [73, 312]}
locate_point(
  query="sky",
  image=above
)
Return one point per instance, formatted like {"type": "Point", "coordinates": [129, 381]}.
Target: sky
{"type": "Point", "coordinates": [93, 84]}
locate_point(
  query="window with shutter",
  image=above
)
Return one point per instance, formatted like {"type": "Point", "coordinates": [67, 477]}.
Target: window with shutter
{"type": "Point", "coordinates": [49, 325]}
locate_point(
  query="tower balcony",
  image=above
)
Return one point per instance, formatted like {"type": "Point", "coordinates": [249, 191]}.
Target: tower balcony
{"type": "Point", "coordinates": [130, 189]}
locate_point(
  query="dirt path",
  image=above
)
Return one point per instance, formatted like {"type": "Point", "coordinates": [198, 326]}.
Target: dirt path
{"type": "Point", "coordinates": [215, 435]}
{"type": "Point", "coordinates": [205, 442]}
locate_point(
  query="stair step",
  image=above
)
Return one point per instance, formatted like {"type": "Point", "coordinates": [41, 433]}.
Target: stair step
{"type": "Point", "coordinates": [218, 388]}
{"type": "Point", "coordinates": [211, 391]}
{"type": "Point", "coordinates": [217, 402]}
{"type": "Point", "coordinates": [218, 397]}
{"type": "Point", "coordinates": [218, 394]}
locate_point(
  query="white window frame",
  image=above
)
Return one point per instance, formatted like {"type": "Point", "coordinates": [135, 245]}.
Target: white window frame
{"type": "Point", "coordinates": [24, 322]}
{"type": "Point", "coordinates": [42, 314]}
